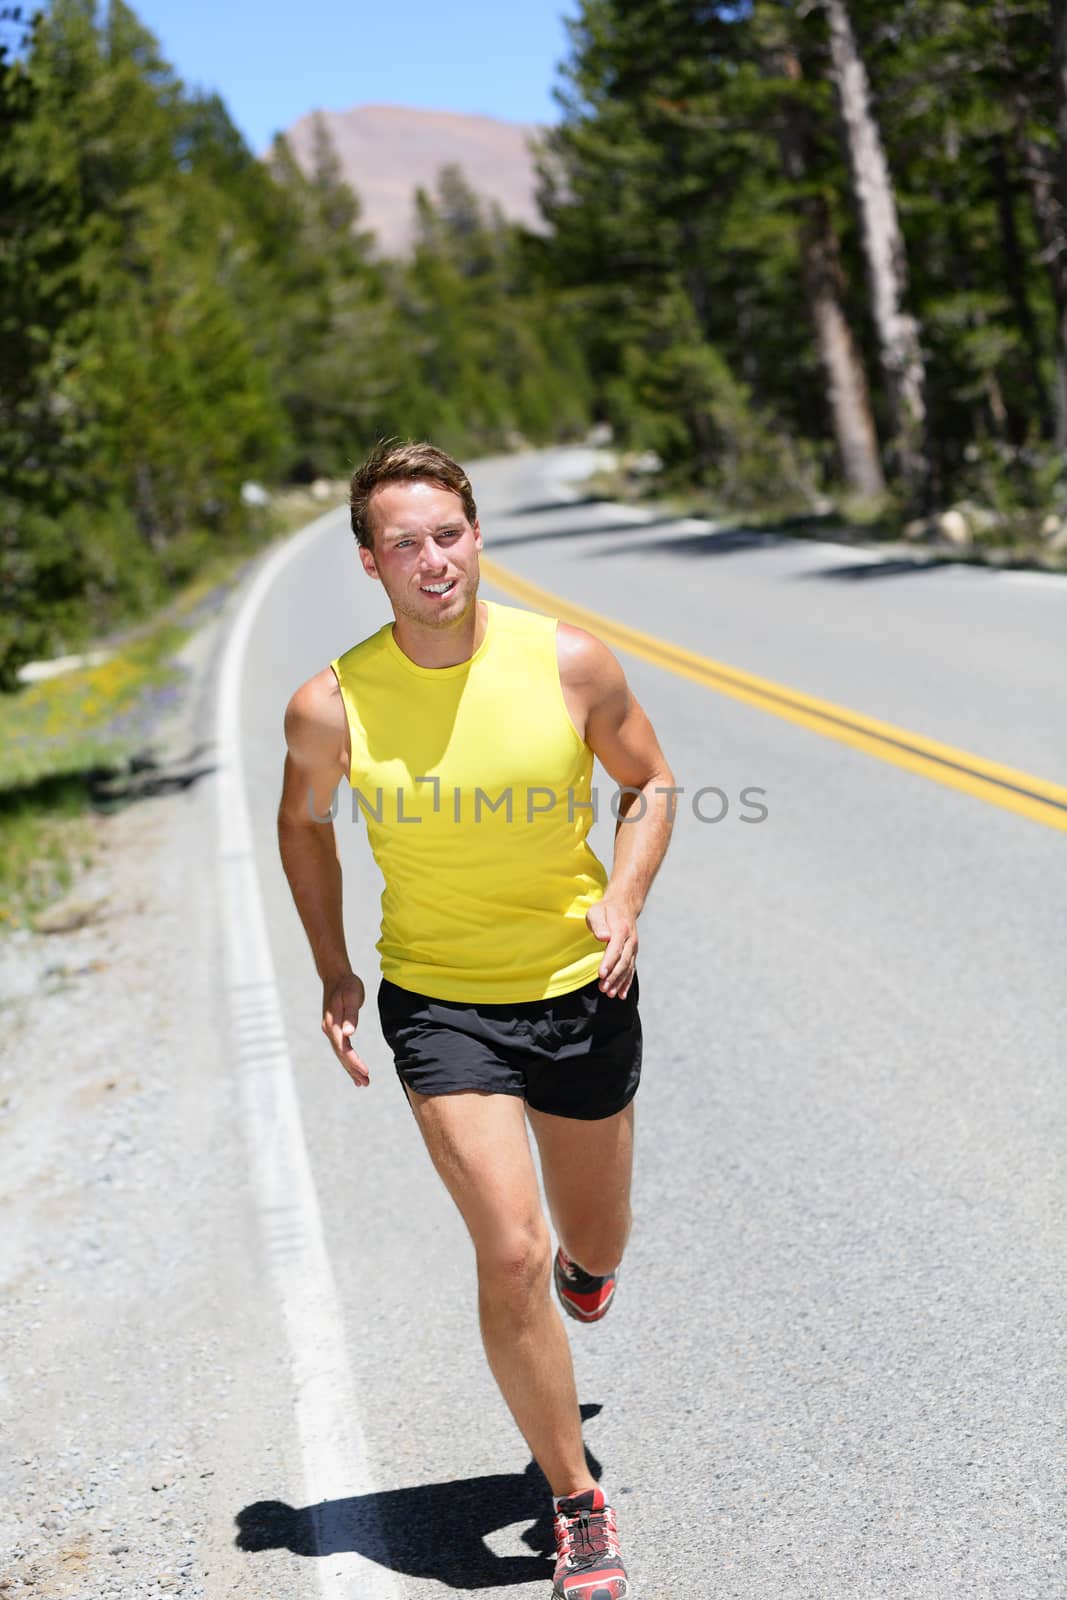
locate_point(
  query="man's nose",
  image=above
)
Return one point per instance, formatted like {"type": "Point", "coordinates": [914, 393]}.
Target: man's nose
{"type": "Point", "coordinates": [433, 557]}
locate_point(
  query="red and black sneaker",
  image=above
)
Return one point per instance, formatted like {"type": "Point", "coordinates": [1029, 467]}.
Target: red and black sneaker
{"type": "Point", "coordinates": [588, 1560]}
{"type": "Point", "coordinates": [581, 1294]}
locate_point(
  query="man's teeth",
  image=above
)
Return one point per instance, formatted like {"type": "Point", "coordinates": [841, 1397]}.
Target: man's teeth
{"type": "Point", "coordinates": [438, 588]}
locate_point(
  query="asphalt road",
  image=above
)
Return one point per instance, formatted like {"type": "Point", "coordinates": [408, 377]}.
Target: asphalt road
{"type": "Point", "coordinates": [835, 1363]}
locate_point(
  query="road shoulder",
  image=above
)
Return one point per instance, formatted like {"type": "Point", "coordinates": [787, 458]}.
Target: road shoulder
{"type": "Point", "coordinates": [148, 1394]}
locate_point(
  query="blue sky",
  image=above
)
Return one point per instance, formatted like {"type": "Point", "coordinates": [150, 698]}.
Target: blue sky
{"type": "Point", "coordinates": [272, 61]}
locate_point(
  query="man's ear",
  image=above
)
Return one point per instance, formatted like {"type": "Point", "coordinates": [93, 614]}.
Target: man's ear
{"type": "Point", "coordinates": [367, 558]}
{"type": "Point", "coordinates": [477, 534]}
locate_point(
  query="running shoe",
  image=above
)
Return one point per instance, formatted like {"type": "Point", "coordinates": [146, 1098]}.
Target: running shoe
{"type": "Point", "coordinates": [588, 1561]}
{"type": "Point", "coordinates": [581, 1294]}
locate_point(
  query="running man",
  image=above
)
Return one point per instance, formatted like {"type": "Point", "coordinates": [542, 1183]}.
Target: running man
{"type": "Point", "coordinates": [509, 991]}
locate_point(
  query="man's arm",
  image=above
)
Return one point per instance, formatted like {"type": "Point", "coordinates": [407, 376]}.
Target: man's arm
{"type": "Point", "coordinates": [612, 723]}
{"type": "Point", "coordinates": [316, 734]}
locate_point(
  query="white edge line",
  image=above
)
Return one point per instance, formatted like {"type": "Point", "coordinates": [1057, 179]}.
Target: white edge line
{"type": "Point", "coordinates": [331, 1439]}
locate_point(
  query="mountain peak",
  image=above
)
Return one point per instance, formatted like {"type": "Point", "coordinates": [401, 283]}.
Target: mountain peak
{"type": "Point", "coordinates": [387, 152]}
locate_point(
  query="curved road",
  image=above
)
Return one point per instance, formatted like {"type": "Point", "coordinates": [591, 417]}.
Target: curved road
{"type": "Point", "coordinates": [835, 1364]}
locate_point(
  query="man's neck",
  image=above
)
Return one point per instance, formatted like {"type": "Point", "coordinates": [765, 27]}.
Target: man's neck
{"type": "Point", "coordinates": [443, 647]}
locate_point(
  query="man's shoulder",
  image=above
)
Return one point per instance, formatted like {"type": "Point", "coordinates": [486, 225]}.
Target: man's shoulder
{"type": "Point", "coordinates": [359, 656]}
{"type": "Point", "coordinates": [315, 718]}
{"type": "Point", "coordinates": [521, 620]}
{"type": "Point", "coordinates": [582, 656]}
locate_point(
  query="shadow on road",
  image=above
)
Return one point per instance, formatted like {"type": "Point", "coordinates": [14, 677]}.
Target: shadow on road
{"type": "Point", "coordinates": [106, 788]}
{"type": "Point", "coordinates": [715, 542]}
{"type": "Point", "coordinates": [146, 775]}
{"type": "Point", "coordinates": [433, 1530]}
{"type": "Point", "coordinates": [796, 530]}
{"type": "Point", "coordinates": [544, 536]}
{"type": "Point", "coordinates": [862, 571]}
{"type": "Point", "coordinates": [543, 507]}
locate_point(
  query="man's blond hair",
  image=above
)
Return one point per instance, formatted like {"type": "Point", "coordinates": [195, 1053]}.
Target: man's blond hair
{"type": "Point", "coordinates": [406, 462]}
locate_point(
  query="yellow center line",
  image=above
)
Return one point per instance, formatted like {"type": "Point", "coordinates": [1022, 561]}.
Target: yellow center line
{"type": "Point", "coordinates": [998, 785]}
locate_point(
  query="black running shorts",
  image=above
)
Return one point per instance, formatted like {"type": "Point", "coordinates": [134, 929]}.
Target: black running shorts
{"type": "Point", "coordinates": [577, 1055]}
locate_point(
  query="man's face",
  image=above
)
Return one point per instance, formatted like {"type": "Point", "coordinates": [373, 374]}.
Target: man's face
{"type": "Point", "coordinates": [425, 552]}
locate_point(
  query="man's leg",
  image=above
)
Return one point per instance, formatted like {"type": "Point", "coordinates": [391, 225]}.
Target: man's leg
{"type": "Point", "coordinates": [479, 1146]}
{"type": "Point", "coordinates": [587, 1167]}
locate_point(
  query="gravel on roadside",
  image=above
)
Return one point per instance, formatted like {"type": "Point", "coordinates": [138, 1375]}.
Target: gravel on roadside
{"type": "Point", "coordinates": [145, 1399]}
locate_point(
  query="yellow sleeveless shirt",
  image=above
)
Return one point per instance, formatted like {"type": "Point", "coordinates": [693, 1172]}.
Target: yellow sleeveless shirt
{"type": "Point", "coordinates": [475, 786]}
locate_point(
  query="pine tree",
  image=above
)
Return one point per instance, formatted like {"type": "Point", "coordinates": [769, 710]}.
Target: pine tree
{"type": "Point", "coordinates": [339, 375]}
{"type": "Point", "coordinates": [962, 90]}
{"type": "Point", "coordinates": [495, 367]}
{"type": "Point", "coordinates": [140, 403]}
{"type": "Point", "coordinates": [664, 187]}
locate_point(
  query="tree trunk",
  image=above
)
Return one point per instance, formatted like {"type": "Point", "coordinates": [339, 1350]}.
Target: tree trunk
{"type": "Point", "coordinates": [1049, 188]}
{"type": "Point", "coordinates": [847, 391]}
{"type": "Point", "coordinates": [883, 245]}
{"type": "Point", "coordinates": [846, 379]}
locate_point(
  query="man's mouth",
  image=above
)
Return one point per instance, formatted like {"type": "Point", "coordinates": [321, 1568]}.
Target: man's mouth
{"type": "Point", "coordinates": [438, 588]}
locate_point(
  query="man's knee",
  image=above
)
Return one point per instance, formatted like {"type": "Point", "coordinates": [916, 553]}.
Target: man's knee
{"type": "Point", "coordinates": [598, 1249]}
{"type": "Point", "coordinates": [515, 1267]}
{"type": "Point", "coordinates": [599, 1261]}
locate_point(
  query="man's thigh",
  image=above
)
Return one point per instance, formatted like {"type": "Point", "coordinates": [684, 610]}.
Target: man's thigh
{"type": "Point", "coordinates": [480, 1148]}
{"type": "Point", "coordinates": [587, 1168]}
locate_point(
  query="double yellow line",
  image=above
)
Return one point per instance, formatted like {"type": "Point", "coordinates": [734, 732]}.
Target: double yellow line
{"type": "Point", "coordinates": [997, 785]}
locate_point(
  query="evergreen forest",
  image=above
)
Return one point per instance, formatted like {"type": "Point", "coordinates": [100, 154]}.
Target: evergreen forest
{"type": "Point", "coordinates": [793, 250]}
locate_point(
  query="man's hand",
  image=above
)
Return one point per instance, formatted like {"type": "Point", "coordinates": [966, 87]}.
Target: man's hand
{"type": "Point", "coordinates": [342, 1000]}
{"type": "Point", "coordinates": [615, 925]}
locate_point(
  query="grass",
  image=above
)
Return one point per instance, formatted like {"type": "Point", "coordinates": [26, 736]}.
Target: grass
{"type": "Point", "coordinates": [86, 718]}
{"type": "Point", "coordinates": [61, 738]}
{"type": "Point", "coordinates": [58, 739]}
{"type": "Point", "coordinates": [47, 835]}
